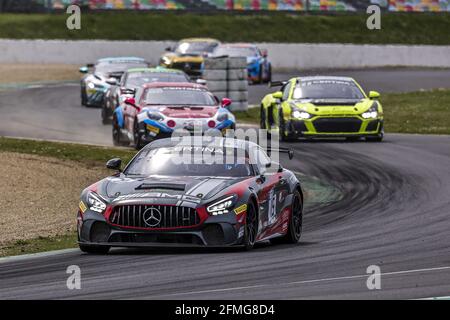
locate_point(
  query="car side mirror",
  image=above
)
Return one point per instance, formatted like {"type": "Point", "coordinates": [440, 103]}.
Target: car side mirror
{"type": "Point", "coordinates": [112, 81]}
{"type": "Point", "coordinates": [114, 164]}
{"type": "Point", "coordinates": [226, 102]}
{"type": "Point", "coordinates": [374, 95]}
{"type": "Point", "coordinates": [84, 69]}
{"type": "Point", "coordinates": [277, 95]}
{"type": "Point", "coordinates": [131, 101]}
{"type": "Point", "coordinates": [169, 49]}
{"type": "Point", "coordinates": [124, 90]}
{"type": "Point", "coordinates": [201, 81]}
{"type": "Point", "coordinates": [274, 165]}
{"type": "Point", "coordinates": [264, 53]}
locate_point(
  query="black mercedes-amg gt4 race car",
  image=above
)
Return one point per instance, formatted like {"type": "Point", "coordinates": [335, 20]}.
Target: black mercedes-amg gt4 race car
{"type": "Point", "coordinates": [172, 194]}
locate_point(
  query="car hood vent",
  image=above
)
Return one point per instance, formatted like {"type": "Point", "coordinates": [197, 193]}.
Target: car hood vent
{"type": "Point", "coordinates": [159, 186]}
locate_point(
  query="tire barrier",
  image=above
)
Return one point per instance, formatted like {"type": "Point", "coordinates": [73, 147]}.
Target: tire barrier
{"type": "Point", "coordinates": [227, 77]}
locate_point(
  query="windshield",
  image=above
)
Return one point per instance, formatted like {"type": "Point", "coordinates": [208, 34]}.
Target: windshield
{"type": "Point", "coordinates": [196, 47]}
{"type": "Point", "coordinates": [236, 51]}
{"type": "Point", "coordinates": [109, 67]}
{"type": "Point", "coordinates": [136, 79]}
{"type": "Point", "coordinates": [189, 161]}
{"type": "Point", "coordinates": [327, 89]}
{"type": "Point", "coordinates": [179, 96]}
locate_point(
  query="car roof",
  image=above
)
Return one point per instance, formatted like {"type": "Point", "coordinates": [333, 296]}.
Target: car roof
{"type": "Point", "coordinates": [202, 141]}
{"type": "Point", "coordinates": [173, 85]}
{"type": "Point", "coordinates": [119, 59]}
{"type": "Point", "coordinates": [199, 40]}
{"type": "Point", "coordinates": [238, 45]}
{"type": "Point", "coordinates": [155, 70]}
{"type": "Point", "coordinates": [336, 78]}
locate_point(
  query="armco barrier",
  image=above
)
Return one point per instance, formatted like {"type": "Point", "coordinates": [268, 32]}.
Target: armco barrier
{"type": "Point", "coordinates": [282, 55]}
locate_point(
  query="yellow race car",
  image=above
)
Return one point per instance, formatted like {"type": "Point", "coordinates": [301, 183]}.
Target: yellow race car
{"type": "Point", "coordinates": [322, 106]}
{"type": "Point", "coordinates": [188, 55]}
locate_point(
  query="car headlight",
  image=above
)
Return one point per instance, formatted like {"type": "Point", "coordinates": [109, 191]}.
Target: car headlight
{"type": "Point", "coordinates": [96, 203]}
{"type": "Point", "coordinates": [372, 113]}
{"type": "Point", "coordinates": [222, 117]}
{"type": "Point", "coordinates": [301, 115]}
{"type": "Point", "coordinates": [166, 61]}
{"type": "Point", "coordinates": [222, 206]}
{"type": "Point", "coordinates": [154, 116]}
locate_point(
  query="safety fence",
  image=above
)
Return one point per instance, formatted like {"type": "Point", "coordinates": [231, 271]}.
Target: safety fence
{"type": "Point", "coordinates": [238, 5]}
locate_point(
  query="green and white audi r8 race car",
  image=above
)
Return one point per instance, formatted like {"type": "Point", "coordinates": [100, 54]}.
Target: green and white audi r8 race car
{"type": "Point", "coordinates": [322, 106]}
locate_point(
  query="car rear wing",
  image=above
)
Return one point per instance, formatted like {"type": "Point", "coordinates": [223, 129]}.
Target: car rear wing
{"type": "Point", "coordinates": [289, 151]}
{"type": "Point", "coordinates": [277, 83]}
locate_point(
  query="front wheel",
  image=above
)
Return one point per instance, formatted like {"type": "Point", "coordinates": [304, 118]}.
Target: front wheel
{"type": "Point", "coordinates": [295, 222]}
{"type": "Point", "coordinates": [251, 227]}
{"type": "Point", "coordinates": [94, 249]}
{"type": "Point", "coordinates": [116, 135]}
{"type": "Point", "coordinates": [137, 136]}
{"type": "Point", "coordinates": [106, 114]}
{"type": "Point", "coordinates": [83, 96]}
{"type": "Point", "coordinates": [262, 117]}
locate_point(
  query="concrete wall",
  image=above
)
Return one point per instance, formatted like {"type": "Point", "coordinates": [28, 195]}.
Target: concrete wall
{"type": "Point", "coordinates": [286, 56]}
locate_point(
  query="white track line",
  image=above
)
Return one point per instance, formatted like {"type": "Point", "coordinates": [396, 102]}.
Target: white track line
{"type": "Point", "coordinates": [36, 255]}
{"type": "Point", "coordinates": [312, 281]}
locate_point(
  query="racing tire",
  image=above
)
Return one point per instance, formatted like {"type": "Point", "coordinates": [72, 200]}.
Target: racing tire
{"type": "Point", "coordinates": [294, 232]}
{"type": "Point", "coordinates": [94, 249]}
{"type": "Point", "coordinates": [83, 97]}
{"type": "Point", "coordinates": [283, 137]}
{"type": "Point", "coordinates": [106, 114]}
{"type": "Point", "coordinates": [251, 227]}
{"type": "Point", "coordinates": [269, 74]}
{"type": "Point", "coordinates": [378, 138]}
{"type": "Point", "coordinates": [137, 136]}
{"type": "Point", "coordinates": [116, 135]}
{"type": "Point", "coordinates": [262, 123]}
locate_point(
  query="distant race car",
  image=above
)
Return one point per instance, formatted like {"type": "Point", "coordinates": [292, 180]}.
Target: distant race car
{"type": "Point", "coordinates": [188, 55]}
{"type": "Point", "coordinates": [106, 72]}
{"type": "Point", "coordinates": [258, 66]}
{"type": "Point", "coordinates": [323, 106]}
{"type": "Point", "coordinates": [131, 80]}
{"type": "Point", "coordinates": [160, 108]}
{"type": "Point", "coordinates": [156, 201]}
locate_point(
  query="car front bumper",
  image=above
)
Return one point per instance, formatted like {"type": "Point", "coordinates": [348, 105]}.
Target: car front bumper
{"type": "Point", "coordinates": [216, 231]}
{"type": "Point", "coordinates": [335, 127]}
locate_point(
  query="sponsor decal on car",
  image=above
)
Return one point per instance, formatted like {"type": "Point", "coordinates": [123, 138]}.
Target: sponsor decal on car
{"type": "Point", "coordinates": [82, 207]}
{"type": "Point", "coordinates": [240, 209]}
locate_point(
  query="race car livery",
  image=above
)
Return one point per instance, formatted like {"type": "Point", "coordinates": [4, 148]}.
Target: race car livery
{"type": "Point", "coordinates": [237, 199]}
{"type": "Point", "coordinates": [188, 55]}
{"type": "Point", "coordinates": [106, 72]}
{"type": "Point", "coordinates": [258, 66]}
{"type": "Point", "coordinates": [160, 109]}
{"type": "Point", "coordinates": [322, 106]}
{"type": "Point", "coordinates": [131, 80]}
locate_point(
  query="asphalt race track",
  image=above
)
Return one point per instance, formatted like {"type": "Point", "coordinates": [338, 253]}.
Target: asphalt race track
{"type": "Point", "coordinates": [55, 112]}
{"type": "Point", "coordinates": [394, 213]}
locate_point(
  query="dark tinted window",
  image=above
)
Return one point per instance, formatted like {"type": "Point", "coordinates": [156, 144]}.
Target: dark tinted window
{"type": "Point", "coordinates": [136, 79]}
{"type": "Point", "coordinates": [179, 96]}
{"type": "Point", "coordinates": [327, 89]}
{"type": "Point", "coordinates": [167, 161]}
{"type": "Point", "coordinates": [108, 67]}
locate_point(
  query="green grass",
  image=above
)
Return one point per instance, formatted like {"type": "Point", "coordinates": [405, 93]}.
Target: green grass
{"type": "Point", "coordinates": [40, 244]}
{"type": "Point", "coordinates": [425, 112]}
{"type": "Point", "coordinates": [403, 28]}
{"type": "Point", "coordinates": [89, 155]}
